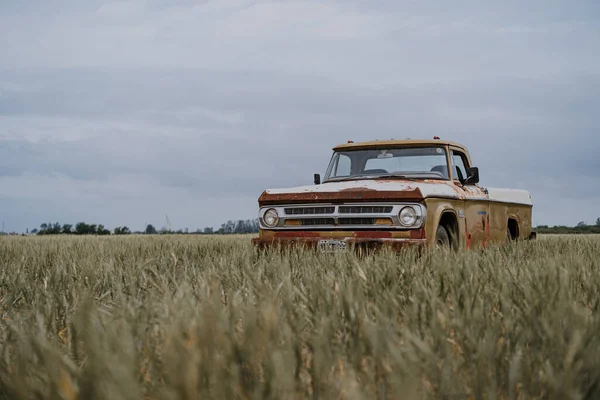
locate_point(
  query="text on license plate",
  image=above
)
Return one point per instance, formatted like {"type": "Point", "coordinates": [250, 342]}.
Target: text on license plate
{"type": "Point", "coordinates": [327, 245]}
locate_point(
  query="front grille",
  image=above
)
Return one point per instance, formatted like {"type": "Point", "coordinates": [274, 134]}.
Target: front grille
{"type": "Point", "coordinates": [318, 221]}
{"type": "Point", "coordinates": [356, 221]}
{"type": "Point", "coordinates": [365, 209]}
{"type": "Point", "coordinates": [309, 210]}
{"type": "Point", "coordinates": [344, 217]}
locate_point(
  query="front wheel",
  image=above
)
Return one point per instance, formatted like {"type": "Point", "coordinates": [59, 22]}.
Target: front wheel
{"type": "Point", "coordinates": [442, 239]}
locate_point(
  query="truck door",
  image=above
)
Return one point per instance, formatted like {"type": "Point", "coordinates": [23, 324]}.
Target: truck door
{"type": "Point", "coordinates": [476, 218]}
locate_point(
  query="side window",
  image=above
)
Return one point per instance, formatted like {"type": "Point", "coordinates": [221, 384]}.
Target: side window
{"type": "Point", "coordinates": [459, 165]}
{"type": "Point", "coordinates": [342, 167]}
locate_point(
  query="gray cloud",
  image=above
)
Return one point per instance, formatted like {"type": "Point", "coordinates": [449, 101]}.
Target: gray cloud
{"type": "Point", "coordinates": [130, 110]}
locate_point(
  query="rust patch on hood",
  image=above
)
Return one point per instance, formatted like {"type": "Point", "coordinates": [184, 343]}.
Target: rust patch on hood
{"type": "Point", "coordinates": [346, 195]}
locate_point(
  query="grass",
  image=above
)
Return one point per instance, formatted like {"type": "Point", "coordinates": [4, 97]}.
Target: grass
{"type": "Point", "coordinates": [187, 317]}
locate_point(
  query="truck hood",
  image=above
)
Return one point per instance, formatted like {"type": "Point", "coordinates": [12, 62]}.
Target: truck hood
{"type": "Point", "coordinates": [357, 191]}
{"type": "Point", "coordinates": [388, 190]}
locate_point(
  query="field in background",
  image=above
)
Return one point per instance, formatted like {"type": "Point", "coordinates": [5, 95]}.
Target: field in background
{"type": "Point", "coordinates": [187, 317]}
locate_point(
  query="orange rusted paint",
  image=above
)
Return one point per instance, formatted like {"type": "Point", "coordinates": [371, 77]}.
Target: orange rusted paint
{"type": "Point", "coordinates": [344, 195]}
{"type": "Point", "coordinates": [467, 236]}
{"type": "Point", "coordinates": [378, 234]}
{"type": "Point", "coordinates": [311, 242]}
{"type": "Point", "coordinates": [417, 233]}
{"type": "Point", "coordinates": [487, 230]}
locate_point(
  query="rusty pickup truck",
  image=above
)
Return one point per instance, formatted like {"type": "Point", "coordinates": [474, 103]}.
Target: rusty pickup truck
{"type": "Point", "coordinates": [395, 193]}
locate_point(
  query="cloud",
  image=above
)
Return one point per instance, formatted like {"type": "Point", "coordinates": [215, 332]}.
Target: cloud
{"type": "Point", "coordinates": [347, 41]}
{"type": "Point", "coordinates": [192, 108]}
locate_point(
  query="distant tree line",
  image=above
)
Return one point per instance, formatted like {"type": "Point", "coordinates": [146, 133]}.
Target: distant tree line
{"type": "Point", "coordinates": [82, 228]}
{"type": "Point", "coordinates": [247, 226]}
{"type": "Point", "coordinates": [580, 228]}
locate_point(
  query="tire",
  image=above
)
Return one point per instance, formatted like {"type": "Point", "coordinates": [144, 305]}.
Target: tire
{"type": "Point", "coordinates": [442, 239]}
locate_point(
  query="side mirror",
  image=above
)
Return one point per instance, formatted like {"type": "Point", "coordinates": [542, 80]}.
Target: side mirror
{"type": "Point", "coordinates": [472, 176]}
{"type": "Point", "coordinates": [317, 179]}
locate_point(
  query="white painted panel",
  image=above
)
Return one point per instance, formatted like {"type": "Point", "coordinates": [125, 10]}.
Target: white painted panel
{"type": "Point", "coordinates": [516, 196]}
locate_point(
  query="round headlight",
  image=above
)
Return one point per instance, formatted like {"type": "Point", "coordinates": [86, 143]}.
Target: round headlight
{"type": "Point", "coordinates": [408, 216]}
{"type": "Point", "coordinates": [271, 218]}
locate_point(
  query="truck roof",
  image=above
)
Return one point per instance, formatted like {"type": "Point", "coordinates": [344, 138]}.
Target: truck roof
{"type": "Point", "coordinates": [397, 143]}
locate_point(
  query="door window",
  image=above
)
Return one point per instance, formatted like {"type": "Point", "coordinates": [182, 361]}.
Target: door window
{"type": "Point", "coordinates": [459, 165]}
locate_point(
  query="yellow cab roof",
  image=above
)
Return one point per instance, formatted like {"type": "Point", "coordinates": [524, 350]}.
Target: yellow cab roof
{"type": "Point", "coordinates": [397, 143]}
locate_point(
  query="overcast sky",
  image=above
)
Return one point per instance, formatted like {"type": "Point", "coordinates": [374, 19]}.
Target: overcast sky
{"type": "Point", "coordinates": [123, 112]}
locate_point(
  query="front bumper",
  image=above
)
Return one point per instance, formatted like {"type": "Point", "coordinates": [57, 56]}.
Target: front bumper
{"type": "Point", "coordinates": [312, 243]}
{"type": "Point", "coordinates": [361, 240]}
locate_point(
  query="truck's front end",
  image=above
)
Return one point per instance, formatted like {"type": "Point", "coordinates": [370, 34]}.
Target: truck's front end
{"type": "Point", "coordinates": [371, 196]}
{"type": "Point", "coordinates": [337, 226]}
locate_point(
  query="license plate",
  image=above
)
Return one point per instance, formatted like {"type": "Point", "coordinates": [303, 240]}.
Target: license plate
{"type": "Point", "coordinates": [330, 246]}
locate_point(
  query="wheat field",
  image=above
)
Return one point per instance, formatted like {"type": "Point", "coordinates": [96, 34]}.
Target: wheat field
{"type": "Point", "coordinates": [208, 317]}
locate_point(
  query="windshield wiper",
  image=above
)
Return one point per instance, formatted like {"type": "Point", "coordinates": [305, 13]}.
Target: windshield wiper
{"type": "Point", "coordinates": [363, 177]}
{"type": "Point", "coordinates": [399, 176]}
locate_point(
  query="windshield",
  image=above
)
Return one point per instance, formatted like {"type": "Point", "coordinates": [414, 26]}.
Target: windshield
{"type": "Point", "coordinates": [410, 162]}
